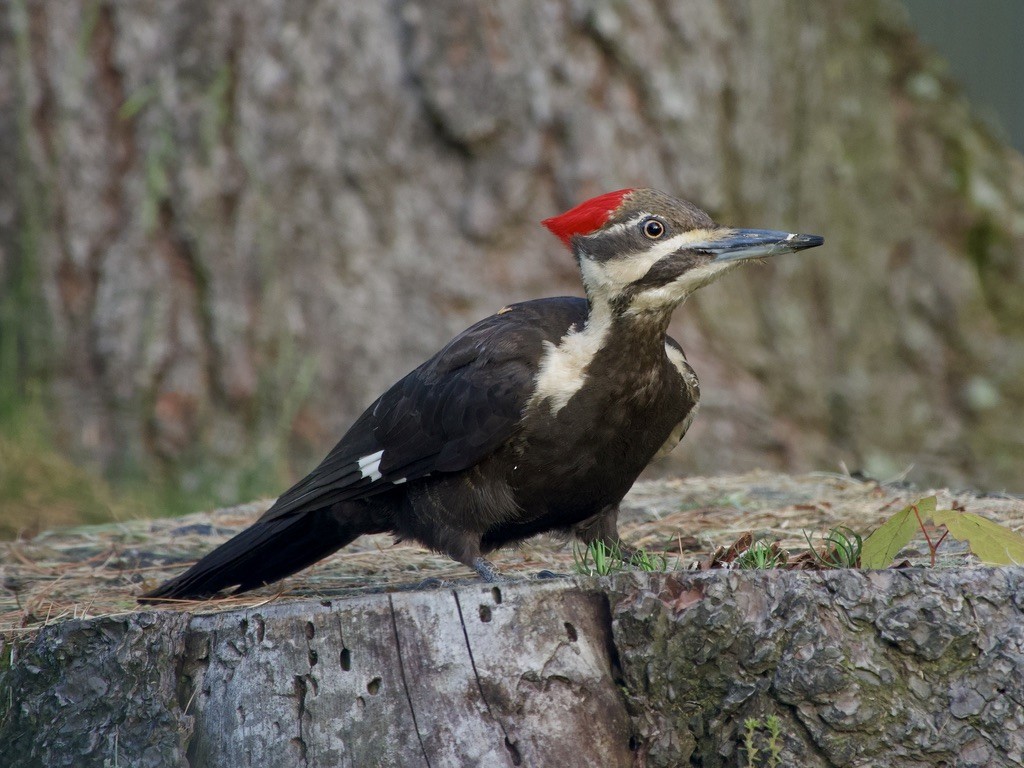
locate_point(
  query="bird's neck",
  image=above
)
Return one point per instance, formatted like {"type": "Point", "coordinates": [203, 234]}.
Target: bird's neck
{"type": "Point", "coordinates": [640, 335]}
{"type": "Point", "coordinates": [615, 357]}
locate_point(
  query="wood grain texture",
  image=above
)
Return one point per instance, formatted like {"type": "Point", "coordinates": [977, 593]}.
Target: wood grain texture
{"type": "Point", "coordinates": [475, 676]}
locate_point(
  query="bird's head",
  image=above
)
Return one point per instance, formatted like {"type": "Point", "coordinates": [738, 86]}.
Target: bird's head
{"type": "Point", "coordinates": [644, 251]}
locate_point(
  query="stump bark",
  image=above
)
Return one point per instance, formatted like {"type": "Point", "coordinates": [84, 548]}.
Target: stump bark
{"type": "Point", "coordinates": [903, 668]}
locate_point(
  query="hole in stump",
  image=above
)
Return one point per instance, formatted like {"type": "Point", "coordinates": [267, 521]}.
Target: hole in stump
{"type": "Point", "coordinates": [485, 613]}
{"type": "Point", "coordinates": [346, 659]}
{"type": "Point", "coordinates": [496, 594]}
{"type": "Point", "coordinates": [570, 630]}
{"type": "Point", "coordinates": [373, 686]}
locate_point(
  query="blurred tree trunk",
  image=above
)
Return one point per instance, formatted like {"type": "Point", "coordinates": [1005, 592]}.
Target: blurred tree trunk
{"type": "Point", "coordinates": [225, 227]}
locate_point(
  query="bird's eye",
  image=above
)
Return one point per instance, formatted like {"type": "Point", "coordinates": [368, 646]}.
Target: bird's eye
{"type": "Point", "coordinates": [653, 228]}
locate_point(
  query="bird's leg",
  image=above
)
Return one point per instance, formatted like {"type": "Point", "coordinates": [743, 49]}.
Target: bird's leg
{"type": "Point", "coordinates": [603, 527]}
{"type": "Point", "coordinates": [600, 527]}
{"type": "Point", "coordinates": [487, 571]}
{"type": "Point", "coordinates": [464, 547]}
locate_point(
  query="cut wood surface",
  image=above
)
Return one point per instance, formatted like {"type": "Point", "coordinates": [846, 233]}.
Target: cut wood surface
{"type": "Point", "coordinates": [442, 678]}
{"type": "Point", "coordinates": [99, 570]}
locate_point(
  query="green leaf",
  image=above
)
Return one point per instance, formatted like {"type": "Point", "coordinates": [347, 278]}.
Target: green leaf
{"type": "Point", "coordinates": [894, 534]}
{"type": "Point", "coordinates": [991, 542]}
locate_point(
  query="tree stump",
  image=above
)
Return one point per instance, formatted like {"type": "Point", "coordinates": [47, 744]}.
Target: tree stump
{"type": "Point", "coordinates": [913, 667]}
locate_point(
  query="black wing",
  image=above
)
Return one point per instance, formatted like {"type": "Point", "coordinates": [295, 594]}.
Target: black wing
{"type": "Point", "coordinates": [445, 416]}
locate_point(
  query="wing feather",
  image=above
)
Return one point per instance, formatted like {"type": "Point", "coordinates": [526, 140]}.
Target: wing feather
{"type": "Point", "coordinates": [446, 415]}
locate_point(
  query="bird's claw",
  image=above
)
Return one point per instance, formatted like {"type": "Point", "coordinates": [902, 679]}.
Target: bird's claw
{"type": "Point", "coordinates": [430, 583]}
{"type": "Point", "coordinates": [487, 571]}
{"type": "Point", "coordinates": [546, 574]}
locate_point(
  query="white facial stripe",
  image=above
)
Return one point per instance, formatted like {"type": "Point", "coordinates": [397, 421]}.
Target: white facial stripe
{"type": "Point", "coordinates": [661, 249]}
{"type": "Point", "coordinates": [678, 241]}
{"type": "Point", "coordinates": [621, 226]}
{"type": "Point", "coordinates": [614, 229]}
{"type": "Point", "coordinates": [369, 466]}
{"type": "Point", "coordinates": [600, 276]}
{"type": "Point", "coordinates": [675, 292]}
{"type": "Point", "coordinates": [563, 368]}
{"type": "Point", "coordinates": [695, 237]}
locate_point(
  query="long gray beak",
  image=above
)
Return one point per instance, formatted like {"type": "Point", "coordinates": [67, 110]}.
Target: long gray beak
{"type": "Point", "coordinates": [738, 244]}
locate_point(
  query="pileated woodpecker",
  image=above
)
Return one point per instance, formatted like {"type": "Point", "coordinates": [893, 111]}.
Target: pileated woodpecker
{"type": "Point", "coordinates": [535, 419]}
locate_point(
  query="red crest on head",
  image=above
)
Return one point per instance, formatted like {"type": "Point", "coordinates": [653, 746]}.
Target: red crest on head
{"type": "Point", "coordinates": [585, 217]}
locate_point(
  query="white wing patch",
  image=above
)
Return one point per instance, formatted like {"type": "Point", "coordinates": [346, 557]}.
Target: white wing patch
{"type": "Point", "coordinates": [369, 466]}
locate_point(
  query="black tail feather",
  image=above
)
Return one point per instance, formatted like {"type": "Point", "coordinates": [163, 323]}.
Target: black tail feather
{"type": "Point", "coordinates": [270, 549]}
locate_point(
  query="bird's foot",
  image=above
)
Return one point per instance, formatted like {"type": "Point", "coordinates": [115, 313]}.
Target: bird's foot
{"type": "Point", "coordinates": [487, 572]}
{"type": "Point", "coordinates": [619, 551]}
{"type": "Point", "coordinates": [430, 583]}
{"type": "Point", "coordinates": [546, 574]}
